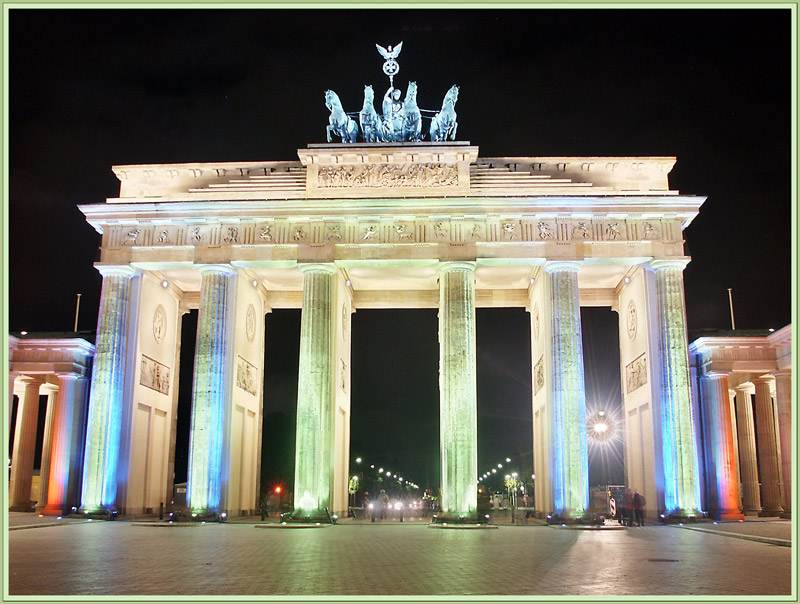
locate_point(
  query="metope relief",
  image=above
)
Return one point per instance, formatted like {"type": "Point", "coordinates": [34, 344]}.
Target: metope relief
{"type": "Point", "coordinates": [538, 375]}
{"type": "Point", "coordinates": [631, 320]}
{"type": "Point", "coordinates": [343, 375]}
{"type": "Point", "coordinates": [510, 230]}
{"type": "Point", "coordinates": [650, 230]}
{"type": "Point", "coordinates": [246, 376]}
{"type": "Point", "coordinates": [402, 232]}
{"type": "Point", "coordinates": [544, 230]}
{"type": "Point", "coordinates": [613, 231]}
{"type": "Point", "coordinates": [581, 230]}
{"type": "Point", "coordinates": [154, 375]}
{"type": "Point", "coordinates": [636, 373]}
{"type": "Point", "coordinates": [387, 176]}
{"type": "Point", "coordinates": [250, 323]}
{"type": "Point", "coordinates": [159, 323]}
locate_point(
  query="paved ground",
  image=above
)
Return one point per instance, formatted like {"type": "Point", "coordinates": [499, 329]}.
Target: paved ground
{"type": "Point", "coordinates": [393, 558]}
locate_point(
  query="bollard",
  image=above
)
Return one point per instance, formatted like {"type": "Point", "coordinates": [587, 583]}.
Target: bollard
{"type": "Point", "coordinates": [161, 511]}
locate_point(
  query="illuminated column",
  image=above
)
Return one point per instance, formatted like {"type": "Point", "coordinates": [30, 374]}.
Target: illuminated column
{"type": "Point", "coordinates": [211, 389]}
{"type": "Point", "coordinates": [315, 392]}
{"type": "Point", "coordinates": [570, 461]}
{"type": "Point", "coordinates": [24, 444]}
{"type": "Point", "coordinates": [751, 494]}
{"type": "Point", "coordinates": [735, 432]}
{"type": "Point", "coordinates": [44, 469]}
{"type": "Point", "coordinates": [63, 451]}
{"type": "Point", "coordinates": [722, 473]}
{"type": "Point", "coordinates": [106, 399]}
{"type": "Point", "coordinates": [768, 469]}
{"type": "Point", "coordinates": [458, 407]}
{"type": "Point", "coordinates": [783, 395]}
{"type": "Point", "coordinates": [679, 447]}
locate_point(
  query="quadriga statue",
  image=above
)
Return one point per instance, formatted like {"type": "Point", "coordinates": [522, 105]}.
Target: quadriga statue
{"type": "Point", "coordinates": [444, 124]}
{"type": "Point", "coordinates": [339, 123]}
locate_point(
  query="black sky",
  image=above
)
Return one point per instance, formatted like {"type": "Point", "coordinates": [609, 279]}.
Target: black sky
{"type": "Point", "coordinates": [89, 89]}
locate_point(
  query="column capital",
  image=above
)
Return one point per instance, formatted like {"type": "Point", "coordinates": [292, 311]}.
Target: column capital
{"type": "Point", "coordinates": [715, 374]}
{"type": "Point", "coordinates": [66, 376]}
{"type": "Point", "coordinates": [318, 267]}
{"type": "Point", "coordinates": [116, 270]}
{"type": "Point", "coordinates": [225, 269]}
{"type": "Point", "coordinates": [657, 265]}
{"type": "Point", "coordinates": [562, 265]}
{"type": "Point", "coordinates": [48, 387]}
{"type": "Point", "coordinates": [30, 380]}
{"type": "Point", "coordinates": [456, 265]}
{"type": "Point", "coordinates": [763, 380]}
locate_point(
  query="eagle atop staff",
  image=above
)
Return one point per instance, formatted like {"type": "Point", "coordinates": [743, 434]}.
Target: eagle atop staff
{"type": "Point", "coordinates": [390, 54]}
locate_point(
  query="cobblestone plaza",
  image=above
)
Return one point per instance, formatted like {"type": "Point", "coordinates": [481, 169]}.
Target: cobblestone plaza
{"type": "Point", "coordinates": [409, 559]}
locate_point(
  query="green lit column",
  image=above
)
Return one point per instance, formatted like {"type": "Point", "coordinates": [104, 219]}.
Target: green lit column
{"type": "Point", "coordinates": [315, 392]}
{"type": "Point", "coordinates": [458, 407]}
{"type": "Point", "coordinates": [101, 453]}
{"type": "Point", "coordinates": [570, 466]}
{"type": "Point", "coordinates": [211, 389]}
{"type": "Point", "coordinates": [679, 447]}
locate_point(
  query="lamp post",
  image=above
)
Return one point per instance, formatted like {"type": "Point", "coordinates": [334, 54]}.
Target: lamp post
{"type": "Point", "coordinates": [600, 430]}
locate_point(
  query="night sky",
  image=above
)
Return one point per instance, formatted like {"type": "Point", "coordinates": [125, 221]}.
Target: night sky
{"type": "Point", "coordinates": [89, 89]}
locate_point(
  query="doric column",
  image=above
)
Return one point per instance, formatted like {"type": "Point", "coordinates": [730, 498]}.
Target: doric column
{"type": "Point", "coordinates": [211, 389]}
{"type": "Point", "coordinates": [44, 469]}
{"type": "Point", "coordinates": [735, 431]}
{"type": "Point", "coordinates": [748, 465]}
{"type": "Point", "coordinates": [62, 450]}
{"type": "Point", "coordinates": [313, 463]}
{"type": "Point", "coordinates": [570, 463]}
{"type": "Point", "coordinates": [24, 445]}
{"type": "Point", "coordinates": [99, 491]}
{"type": "Point", "coordinates": [768, 469]}
{"type": "Point", "coordinates": [679, 447]}
{"type": "Point", "coordinates": [783, 395]}
{"type": "Point", "coordinates": [11, 392]}
{"type": "Point", "coordinates": [458, 407]}
{"type": "Point", "coordinates": [722, 473]}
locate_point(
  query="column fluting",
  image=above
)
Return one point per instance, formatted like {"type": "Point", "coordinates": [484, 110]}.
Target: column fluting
{"type": "Point", "coordinates": [679, 447]}
{"type": "Point", "coordinates": [313, 455]}
{"type": "Point", "coordinates": [61, 449]}
{"type": "Point", "coordinates": [24, 445]}
{"type": "Point", "coordinates": [211, 389]}
{"type": "Point", "coordinates": [722, 473]}
{"type": "Point", "coordinates": [768, 470]}
{"type": "Point", "coordinates": [783, 394]}
{"type": "Point", "coordinates": [47, 444]}
{"type": "Point", "coordinates": [748, 464]}
{"type": "Point", "coordinates": [99, 490]}
{"type": "Point", "coordinates": [458, 407]}
{"type": "Point", "coordinates": [570, 461]}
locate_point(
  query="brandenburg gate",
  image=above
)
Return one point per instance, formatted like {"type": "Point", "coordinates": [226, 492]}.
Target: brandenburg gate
{"type": "Point", "coordinates": [383, 225]}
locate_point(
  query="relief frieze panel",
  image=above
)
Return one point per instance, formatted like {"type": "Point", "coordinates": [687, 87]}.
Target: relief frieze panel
{"type": "Point", "coordinates": [154, 375]}
{"type": "Point", "coordinates": [388, 176]}
{"type": "Point", "coordinates": [636, 373]}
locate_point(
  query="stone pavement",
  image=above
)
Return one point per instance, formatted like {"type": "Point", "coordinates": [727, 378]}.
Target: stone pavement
{"type": "Point", "coordinates": [393, 558]}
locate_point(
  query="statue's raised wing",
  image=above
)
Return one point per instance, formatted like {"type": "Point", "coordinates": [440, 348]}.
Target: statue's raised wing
{"type": "Point", "coordinates": [383, 51]}
{"type": "Point", "coordinates": [396, 50]}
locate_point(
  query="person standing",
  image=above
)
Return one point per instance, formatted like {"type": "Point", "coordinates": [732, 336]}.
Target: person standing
{"type": "Point", "coordinates": [637, 504]}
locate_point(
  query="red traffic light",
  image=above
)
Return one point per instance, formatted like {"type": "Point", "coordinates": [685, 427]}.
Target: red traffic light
{"type": "Point", "coordinates": [278, 489]}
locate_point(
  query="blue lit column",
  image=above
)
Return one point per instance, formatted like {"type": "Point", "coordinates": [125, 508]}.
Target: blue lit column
{"type": "Point", "coordinates": [570, 474]}
{"type": "Point", "coordinates": [105, 403]}
{"type": "Point", "coordinates": [679, 447]}
{"type": "Point", "coordinates": [458, 407]}
{"type": "Point", "coordinates": [315, 387]}
{"type": "Point", "coordinates": [211, 389]}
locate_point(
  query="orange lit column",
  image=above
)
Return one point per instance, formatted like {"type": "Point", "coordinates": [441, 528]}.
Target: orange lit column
{"type": "Point", "coordinates": [62, 466]}
{"type": "Point", "coordinates": [768, 468]}
{"type": "Point", "coordinates": [24, 444]}
{"type": "Point", "coordinates": [722, 474]}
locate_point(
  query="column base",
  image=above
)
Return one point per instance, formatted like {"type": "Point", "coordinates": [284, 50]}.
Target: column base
{"type": "Point", "coordinates": [771, 512]}
{"type": "Point", "coordinates": [754, 512]}
{"type": "Point", "coordinates": [727, 515]}
{"type": "Point", "coordinates": [306, 517]}
{"type": "Point", "coordinates": [54, 511]}
{"type": "Point", "coordinates": [451, 518]}
{"type": "Point", "coordinates": [787, 514]}
{"type": "Point", "coordinates": [21, 507]}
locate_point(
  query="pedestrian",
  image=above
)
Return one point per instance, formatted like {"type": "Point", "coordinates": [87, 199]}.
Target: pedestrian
{"type": "Point", "coordinates": [383, 500]}
{"type": "Point", "coordinates": [637, 503]}
{"type": "Point", "coordinates": [625, 508]}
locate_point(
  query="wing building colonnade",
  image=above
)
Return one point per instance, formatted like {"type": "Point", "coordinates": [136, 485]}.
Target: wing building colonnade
{"type": "Point", "coordinates": [426, 225]}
